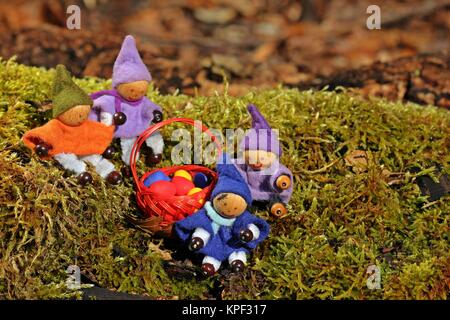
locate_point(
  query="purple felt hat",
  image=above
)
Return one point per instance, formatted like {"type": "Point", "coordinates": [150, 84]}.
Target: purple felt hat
{"type": "Point", "coordinates": [128, 66]}
{"type": "Point", "coordinates": [261, 136]}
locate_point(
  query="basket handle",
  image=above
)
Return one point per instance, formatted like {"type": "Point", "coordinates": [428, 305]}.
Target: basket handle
{"type": "Point", "coordinates": [148, 132]}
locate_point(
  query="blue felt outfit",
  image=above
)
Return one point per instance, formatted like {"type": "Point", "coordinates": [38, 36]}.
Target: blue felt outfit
{"type": "Point", "coordinates": [226, 240]}
{"type": "Point", "coordinates": [224, 232]}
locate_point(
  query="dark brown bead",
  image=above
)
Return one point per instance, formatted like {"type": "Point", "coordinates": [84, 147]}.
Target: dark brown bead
{"type": "Point", "coordinates": [126, 171]}
{"type": "Point", "coordinates": [246, 235]}
{"type": "Point", "coordinates": [196, 244]}
{"type": "Point", "coordinates": [84, 178]}
{"type": "Point", "coordinates": [157, 116]}
{"type": "Point", "coordinates": [119, 118]}
{"type": "Point", "coordinates": [114, 178]}
{"type": "Point", "coordinates": [41, 150]}
{"type": "Point", "coordinates": [237, 266]}
{"type": "Point", "coordinates": [153, 159]}
{"type": "Point", "coordinates": [208, 269]}
{"type": "Point", "coordinates": [109, 152]}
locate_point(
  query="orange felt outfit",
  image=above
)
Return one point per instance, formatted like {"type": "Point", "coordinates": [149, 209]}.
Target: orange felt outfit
{"type": "Point", "coordinates": [90, 137]}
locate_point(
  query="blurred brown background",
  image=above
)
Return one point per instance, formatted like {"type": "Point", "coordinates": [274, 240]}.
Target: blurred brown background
{"type": "Point", "coordinates": [191, 45]}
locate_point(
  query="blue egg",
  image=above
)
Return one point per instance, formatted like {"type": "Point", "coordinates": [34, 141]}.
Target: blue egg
{"type": "Point", "coordinates": [201, 180]}
{"type": "Point", "coordinates": [155, 176]}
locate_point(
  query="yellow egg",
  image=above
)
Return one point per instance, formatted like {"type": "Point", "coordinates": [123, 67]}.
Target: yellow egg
{"type": "Point", "coordinates": [194, 190]}
{"type": "Point", "coordinates": [183, 173]}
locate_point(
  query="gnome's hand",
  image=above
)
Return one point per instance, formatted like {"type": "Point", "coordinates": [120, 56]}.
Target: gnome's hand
{"type": "Point", "coordinates": [196, 244]}
{"type": "Point", "coordinates": [246, 235]}
{"type": "Point", "coordinates": [283, 182]}
{"type": "Point", "coordinates": [42, 149]}
{"type": "Point", "coordinates": [157, 116]}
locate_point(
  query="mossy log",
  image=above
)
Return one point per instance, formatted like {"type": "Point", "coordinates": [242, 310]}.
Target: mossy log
{"type": "Point", "coordinates": [341, 219]}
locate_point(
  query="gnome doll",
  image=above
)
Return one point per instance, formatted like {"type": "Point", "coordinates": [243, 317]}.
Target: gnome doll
{"type": "Point", "coordinates": [269, 181]}
{"type": "Point", "coordinates": [224, 229]}
{"type": "Point", "coordinates": [70, 138]}
{"type": "Point", "coordinates": [126, 105]}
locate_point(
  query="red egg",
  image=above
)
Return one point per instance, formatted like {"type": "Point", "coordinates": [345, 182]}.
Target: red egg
{"type": "Point", "coordinates": [182, 185]}
{"type": "Point", "coordinates": [163, 189]}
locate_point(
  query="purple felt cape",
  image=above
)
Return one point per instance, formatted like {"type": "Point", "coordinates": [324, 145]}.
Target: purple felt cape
{"type": "Point", "coordinates": [139, 113]}
{"type": "Point", "coordinates": [226, 240]}
{"type": "Point", "coordinates": [262, 185]}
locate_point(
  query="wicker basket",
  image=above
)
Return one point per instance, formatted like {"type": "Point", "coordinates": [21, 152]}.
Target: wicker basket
{"type": "Point", "coordinates": [161, 213]}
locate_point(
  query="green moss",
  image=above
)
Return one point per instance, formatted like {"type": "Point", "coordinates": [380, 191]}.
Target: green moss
{"type": "Point", "coordinates": [339, 221]}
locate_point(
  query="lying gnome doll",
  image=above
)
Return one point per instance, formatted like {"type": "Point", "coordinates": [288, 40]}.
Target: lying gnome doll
{"type": "Point", "coordinates": [70, 138]}
{"type": "Point", "coordinates": [269, 181]}
{"type": "Point", "coordinates": [224, 229]}
{"type": "Point", "coordinates": [126, 105]}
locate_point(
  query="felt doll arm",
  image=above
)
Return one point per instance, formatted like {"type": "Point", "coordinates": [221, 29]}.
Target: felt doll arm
{"type": "Point", "coordinates": [250, 233]}
{"type": "Point", "coordinates": [202, 234]}
{"type": "Point", "coordinates": [106, 118]}
{"type": "Point", "coordinates": [48, 135]}
{"type": "Point", "coordinates": [156, 142]}
{"type": "Point", "coordinates": [282, 171]}
{"type": "Point", "coordinates": [152, 111]}
{"type": "Point", "coordinates": [246, 235]}
{"type": "Point", "coordinates": [184, 228]}
{"type": "Point", "coordinates": [199, 239]}
{"type": "Point", "coordinates": [244, 221]}
{"type": "Point", "coordinates": [255, 230]}
{"type": "Point", "coordinates": [101, 105]}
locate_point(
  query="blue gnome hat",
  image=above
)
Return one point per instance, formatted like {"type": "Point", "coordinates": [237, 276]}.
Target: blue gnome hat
{"type": "Point", "coordinates": [230, 180]}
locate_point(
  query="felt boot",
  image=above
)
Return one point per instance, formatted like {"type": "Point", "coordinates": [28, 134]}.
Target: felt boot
{"type": "Point", "coordinates": [156, 143]}
{"type": "Point", "coordinates": [70, 162]}
{"type": "Point", "coordinates": [127, 144]}
{"type": "Point", "coordinates": [237, 261]}
{"type": "Point", "coordinates": [210, 266]}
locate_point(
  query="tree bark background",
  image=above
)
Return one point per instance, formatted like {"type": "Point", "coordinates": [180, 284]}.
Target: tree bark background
{"type": "Point", "coordinates": [193, 45]}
